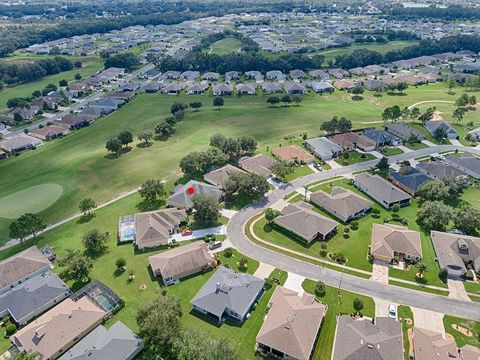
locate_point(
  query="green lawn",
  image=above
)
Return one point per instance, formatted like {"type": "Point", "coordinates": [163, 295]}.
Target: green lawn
{"type": "Point", "coordinates": [339, 302]}
{"type": "Point", "coordinates": [391, 151]}
{"type": "Point", "coordinates": [232, 262]}
{"type": "Point", "coordinates": [405, 316]}
{"type": "Point", "coordinates": [416, 146]}
{"type": "Point", "coordinates": [298, 172]}
{"type": "Point", "coordinates": [472, 287]}
{"type": "Point", "coordinates": [90, 65]}
{"type": "Point", "coordinates": [353, 158]}
{"type": "Point", "coordinates": [79, 162]}
{"type": "Point", "coordinates": [225, 46]}
{"type": "Point", "coordinates": [450, 323]}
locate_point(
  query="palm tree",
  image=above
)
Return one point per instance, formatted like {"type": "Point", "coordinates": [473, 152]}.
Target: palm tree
{"type": "Point", "coordinates": [422, 268]}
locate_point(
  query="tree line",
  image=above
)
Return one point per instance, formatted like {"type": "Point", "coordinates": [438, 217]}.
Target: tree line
{"type": "Point", "coordinates": [452, 12]}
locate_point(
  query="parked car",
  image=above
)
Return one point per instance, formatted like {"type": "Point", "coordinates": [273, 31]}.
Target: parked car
{"type": "Point", "coordinates": [187, 232]}
{"type": "Point", "coordinates": [392, 311]}
{"type": "Point", "coordinates": [318, 166]}
{"type": "Point", "coordinates": [215, 245]}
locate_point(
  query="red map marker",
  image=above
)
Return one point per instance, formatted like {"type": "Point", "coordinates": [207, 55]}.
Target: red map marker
{"type": "Point", "coordinates": [191, 190]}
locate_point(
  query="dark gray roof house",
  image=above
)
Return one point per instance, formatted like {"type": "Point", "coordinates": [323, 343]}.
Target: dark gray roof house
{"type": "Point", "coordinates": [228, 294]}
{"type": "Point", "coordinates": [33, 297]}
{"type": "Point", "coordinates": [438, 170]}
{"type": "Point", "coordinates": [324, 148]}
{"type": "Point", "coordinates": [403, 131]}
{"type": "Point", "coordinates": [381, 190]}
{"type": "Point", "coordinates": [465, 162]}
{"type": "Point", "coordinates": [409, 179]}
{"type": "Point", "coordinates": [434, 125]}
{"type": "Point", "coordinates": [183, 194]}
{"type": "Point", "coordinates": [292, 87]}
{"type": "Point", "coordinates": [117, 342]}
{"type": "Point", "coordinates": [382, 137]}
{"type": "Point", "coordinates": [359, 339]}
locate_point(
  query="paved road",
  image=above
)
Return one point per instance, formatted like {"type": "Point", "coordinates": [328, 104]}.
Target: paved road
{"type": "Point", "coordinates": [236, 234]}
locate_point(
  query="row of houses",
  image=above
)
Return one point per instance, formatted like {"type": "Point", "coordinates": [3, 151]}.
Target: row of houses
{"type": "Point", "coordinates": [54, 323]}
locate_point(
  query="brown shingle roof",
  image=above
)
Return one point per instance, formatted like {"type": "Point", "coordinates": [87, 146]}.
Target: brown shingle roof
{"type": "Point", "coordinates": [220, 176]}
{"type": "Point", "coordinates": [293, 153]}
{"type": "Point", "coordinates": [430, 345]}
{"type": "Point", "coordinates": [260, 164]}
{"type": "Point", "coordinates": [350, 139]}
{"type": "Point", "coordinates": [292, 323]}
{"type": "Point", "coordinates": [57, 329]}
{"type": "Point", "coordinates": [389, 239]}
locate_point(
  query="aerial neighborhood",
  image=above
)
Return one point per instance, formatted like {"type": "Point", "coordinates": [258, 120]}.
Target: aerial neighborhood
{"type": "Point", "coordinates": [240, 180]}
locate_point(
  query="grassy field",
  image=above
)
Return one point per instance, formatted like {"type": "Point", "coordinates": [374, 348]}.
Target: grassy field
{"type": "Point", "coordinates": [89, 66]}
{"type": "Point", "coordinates": [79, 162]}
{"type": "Point", "coordinates": [405, 315]}
{"type": "Point", "coordinates": [461, 339]}
{"type": "Point", "coordinates": [225, 46]}
{"type": "Point", "coordinates": [339, 302]}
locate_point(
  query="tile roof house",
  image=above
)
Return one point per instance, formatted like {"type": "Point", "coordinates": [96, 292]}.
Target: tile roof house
{"type": "Point", "coordinates": [344, 85]}
{"type": "Point", "coordinates": [57, 330]}
{"type": "Point", "coordinates": [275, 74]}
{"type": "Point", "coordinates": [246, 89]}
{"type": "Point", "coordinates": [49, 132]}
{"type": "Point", "coordinates": [351, 140]}
{"type": "Point", "coordinates": [324, 148]}
{"type": "Point", "coordinates": [429, 345]}
{"type": "Point", "coordinates": [318, 74]}
{"type": "Point", "coordinates": [291, 326]}
{"type": "Point", "coordinates": [228, 294]}
{"type": "Point", "coordinates": [271, 87]}
{"type": "Point", "coordinates": [172, 88]}
{"type": "Point", "coordinates": [197, 88]}
{"type": "Point", "coordinates": [434, 125]}
{"type": "Point", "coordinates": [183, 194]}
{"type": "Point", "coordinates": [357, 339]}
{"type": "Point", "coordinates": [220, 176]}
{"type": "Point", "coordinates": [33, 297]}
{"type": "Point", "coordinates": [297, 74]}
{"type": "Point", "coordinates": [154, 228]}
{"type": "Point", "coordinates": [344, 204]}
{"type": "Point", "coordinates": [390, 241]}
{"type": "Point", "coordinates": [408, 179]}
{"type": "Point", "coordinates": [454, 252]}
{"type": "Point", "coordinates": [116, 342]}
{"type": "Point", "coordinates": [22, 266]}
{"type": "Point", "coordinates": [19, 143]}
{"type": "Point", "coordinates": [465, 162]}
{"type": "Point", "coordinates": [404, 131]}
{"type": "Point", "coordinates": [211, 76]}
{"type": "Point", "coordinates": [439, 170]}
{"type": "Point", "coordinates": [293, 154]}
{"type": "Point", "coordinates": [259, 164]}
{"type": "Point", "coordinates": [222, 90]}
{"type": "Point", "coordinates": [382, 137]}
{"type": "Point", "coordinates": [300, 220]}
{"type": "Point", "coordinates": [231, 75]}
{"type": "Point", "coordinates": [180, 262]}
{"type": "Point", "coordinates": [293, 88]}
{"type": "Point", "coordinates": [381, 190]}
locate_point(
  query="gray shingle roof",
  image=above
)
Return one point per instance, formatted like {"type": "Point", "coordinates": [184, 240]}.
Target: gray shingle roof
{"type": "Point", "coordinates": [227, 289]}
{"type": "Point", "coordinates": [182, 197]}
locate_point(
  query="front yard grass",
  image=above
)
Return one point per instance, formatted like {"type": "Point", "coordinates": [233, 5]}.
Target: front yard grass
{"type": "Point", "coordinates": [299, 171]}
{"type": "Point", "coordinates": [354, 157]}
{"type": "Point", "coordinates": [232, 261]}
{"type": "Point", "coordinates": [405, 316]}
{"type": "Point", "coordinates": [450, 323]}
{"type": "Point", "coordinates": [472, 287]}
{"type": "Point", "coordinates": [415, 146]}
{"type": "Point", "coordinates": [391, 151]}
{"type": "Point", "coordinates": [339, 302]}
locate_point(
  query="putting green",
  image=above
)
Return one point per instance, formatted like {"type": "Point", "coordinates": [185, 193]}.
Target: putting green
{"type": "Point", "coordinates": [29, 200]}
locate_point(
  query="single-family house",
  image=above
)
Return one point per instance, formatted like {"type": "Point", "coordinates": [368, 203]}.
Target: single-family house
{"type": "Point", "coordinates": [220, 176]}
{"type": "Point", "coordinates": [408, 179]}
{"type": "Point", "coordinates": [293, 154]}
{"type": "Point", "coordinates": [434, 126]}
{"type": "Point", "coordinates": [291, 327]}
{"type": "Point", "coordinates": [189, 75]}
{"type": "Point", "coordinates": [344, 204]}
{"type": "Point", "coordinates": [170, 75]}
{"type": "Point", "coordinates": [232, 75]}
{"type": "Point", "coordinates": [297, 74]}
{"type": "Point", "coordinates": [198, 88]}
{"type": "Point", "coordinates": [324, 148]}
{"type": "Point", "coordinates": [259, 164]}
{"type": "Point", "coordinates": [183, 194]}
{"type": "Point", "coordinates": [318, 74]}
{"type": "Point", "coordinates": [3, 155]}
{"type": "Point", "coordinates": [173, 265]}
{"type": "Point", "coordinates": [92, 112]}
{"type": "Point", "coordinates": [222, 89]}
{"type": "Point", "coordinates": [374, 85]}
{"type": "Point", "coordinates": [271, 87]}
{"type": "Point", "coordinates": [32, 297]}
{"type": "Point", "coordinates": [381, 190]}
{"type": "Point", "coordinates": [246, 89]}
{"type": "Point", "coordinates": [338, 73]}
{"type": "Point", "coordinates": [108, 104]}
{"type": "Point", "coordinates": [393, 241]}
{"type": "Point", "coordinates": [350, 141]}
{"type": "Point", "coordinates": [404, 131]}
{"type": "Point", "coordinates": [307, 224]}
{"type": "Point", "coordinates": [123, 95]}
{"type": "Point", "coordinates": [25, 113]}
{"type": "Point", "coordinates": [346, 85]}
{"type": "Point", "coordinates": [275, 74]}
{"type": "Point", "coordinates": [357, 339]}
{"type": "Point", "coordinates": [211, 76]}
{"type": "Point", "coordinates": [77, 121]}
{"type": "Point", "coordinates": [439, 170]}
{"type": "Point", "coordinates": [19, 143]}
{"type": "Point", "coordinates": [428, 345]}
{"type": "Point", "coordinates": [59, 329]}
{"type": "Point", "coordinates": [152, 87]}
{"type": "Point", "coordinates": [321, 87]}
{"type": "Point", "coordinates": [150, 74]}
{"type": "Point", "coordinates": [382, 138]}
{"type": "Point", "coordinates": [466, 162]}
{"type": "Point", "coordinates": [172, 88]}
{"type": "Point", "coordinates": [116, 342]}
{"type": "Point", "coordinates": [151, 229]}
{"type": "Point", "coordinates": [294, 88]}
{"type": "Point", "coordinates": [253, 74]}
{"type": "Point", "coordinates": [79, 88]}
{"type": "Point", "coordinates": [228, 295]}
{"type": "Point", "coordinates": [49, 132]}
{"type": "Point", "coordinates": [456, 252]}
{"type": "Point", "coordinates": [474, 134]}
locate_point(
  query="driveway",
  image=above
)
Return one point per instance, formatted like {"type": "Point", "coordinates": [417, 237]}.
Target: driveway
{"type": "Point", "coordinates": [404, 148]}
{"type": "Point", "coordinates": [294, 282]}
{"type": "Point", "coordinates": [428, 320]}
{"type": "Point", "coordinates": [333, 164]}
{"type": "Point", "coordinates": [197, 234]}
{"type": "Point", "coordinates": [380, 272]}
{"type": "Point", "coordinates": [428, 143]}
{"type": "Point", "coordinates": [382, 306]}
{"type": "Point", "coordinates": [457, 290]}
{"type": "Point", "coordinates": [228, 213]}
{"type": "Point", "coordinates": [263, 271]}
{"type": "Point", "coordinates": [455, 142]}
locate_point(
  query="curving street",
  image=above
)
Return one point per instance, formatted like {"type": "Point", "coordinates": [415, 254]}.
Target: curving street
{"type": "Point", "coordinates": [419, 299]}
